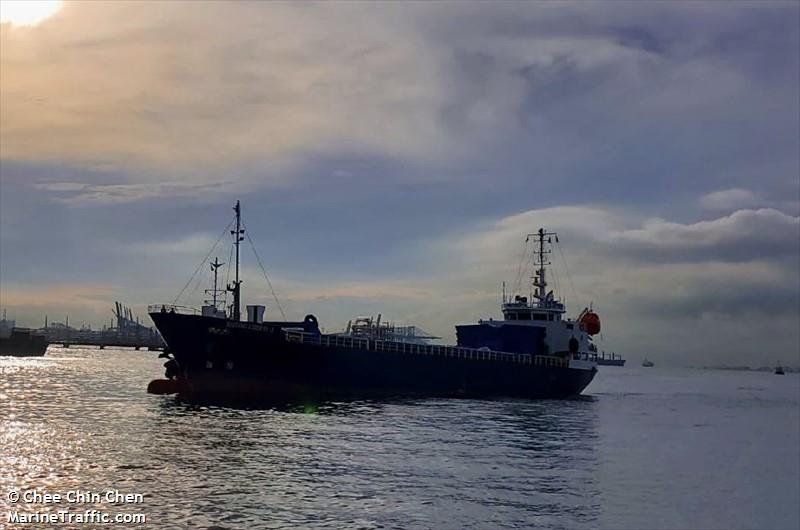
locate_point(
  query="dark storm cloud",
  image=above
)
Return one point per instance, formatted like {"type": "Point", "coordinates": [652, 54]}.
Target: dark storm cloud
{"type": "Point", "coordinates": [744, 235]}
{"type": "Point", "coordinates": [720, 301]}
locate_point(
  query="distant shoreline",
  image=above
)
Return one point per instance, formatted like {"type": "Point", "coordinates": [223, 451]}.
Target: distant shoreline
{"type": "Point", "coordinates": [786, 369]}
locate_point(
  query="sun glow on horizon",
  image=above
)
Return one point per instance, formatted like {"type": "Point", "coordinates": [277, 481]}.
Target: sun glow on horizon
{"type": "Point", "coordinates": [27, 12]}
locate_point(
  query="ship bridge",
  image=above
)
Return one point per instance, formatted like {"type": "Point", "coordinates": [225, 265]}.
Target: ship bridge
{"type": "Point", "coordinates": [548, 309]}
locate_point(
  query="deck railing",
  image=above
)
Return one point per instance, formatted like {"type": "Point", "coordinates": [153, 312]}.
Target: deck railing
{"type": "Point", "coordinates": [172, 308]}
{"type": "Point", "coordinates": [424, 349]}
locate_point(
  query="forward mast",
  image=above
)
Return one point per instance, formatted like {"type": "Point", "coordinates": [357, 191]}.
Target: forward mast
{"type": "Point", "coordinates": [236, 286]}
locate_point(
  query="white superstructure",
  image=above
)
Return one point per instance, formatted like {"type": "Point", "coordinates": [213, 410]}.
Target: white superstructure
{"type": "Point", "coordinates": [544, 310]}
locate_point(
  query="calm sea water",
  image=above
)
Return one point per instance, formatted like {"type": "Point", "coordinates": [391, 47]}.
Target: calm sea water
{"type": "Point", "coordinates": [646, 448]}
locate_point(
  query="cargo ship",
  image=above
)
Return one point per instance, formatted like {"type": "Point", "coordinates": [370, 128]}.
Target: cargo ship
{"type": "Point", "coordinates": [532, 352]}
{"type": "Point", "coordinates": [610, 360]}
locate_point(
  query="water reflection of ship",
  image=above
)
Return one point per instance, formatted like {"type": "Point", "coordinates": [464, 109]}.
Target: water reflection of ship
{"type": "Point", "coordinates": [20, 342]}
{"type": "Point", "coordinates": [552, 450]}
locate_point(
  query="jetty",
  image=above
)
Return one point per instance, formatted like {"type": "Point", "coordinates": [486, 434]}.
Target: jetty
{"type": "Point", "coordinates": [126, 331]}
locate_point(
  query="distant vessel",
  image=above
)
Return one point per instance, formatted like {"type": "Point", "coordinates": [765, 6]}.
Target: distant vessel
{"type": "Point", "coordinates": [533, 352]}
{"type": "Point", "coordinates": [647, 364]}
{"type": "Point", "coordinates": [613, 360]}
{"type": "Point", "coordinates": [20, 342]}
{"type": "Point", "coordinates": [779, 369]}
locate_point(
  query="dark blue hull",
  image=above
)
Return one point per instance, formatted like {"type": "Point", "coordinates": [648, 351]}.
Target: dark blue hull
{"type": "Point", "coordinates": [217, 356]}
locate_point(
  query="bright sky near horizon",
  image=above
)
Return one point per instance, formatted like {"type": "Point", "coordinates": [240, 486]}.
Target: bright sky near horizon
{"type": "Point", "coordinates": [391, 157]}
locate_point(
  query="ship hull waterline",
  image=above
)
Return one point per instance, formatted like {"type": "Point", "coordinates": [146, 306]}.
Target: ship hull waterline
{"type": "Point", "coordinates": [218, 357]}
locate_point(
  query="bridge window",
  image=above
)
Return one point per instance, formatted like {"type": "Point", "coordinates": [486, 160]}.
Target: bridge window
{"type": "Point", "coordinates": [512, 316]}
{"type": "Point", "coordinates": [524, 316]}
{"type": "Point", "coordinates": [539, 316]}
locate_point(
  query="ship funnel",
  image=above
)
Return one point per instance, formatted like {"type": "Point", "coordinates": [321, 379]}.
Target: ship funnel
{"type": "Point", "coordinates": [255, 313]}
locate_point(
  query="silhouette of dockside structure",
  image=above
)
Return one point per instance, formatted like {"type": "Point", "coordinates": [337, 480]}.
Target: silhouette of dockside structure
{"type": "Point", "coordinates": [125, 332]}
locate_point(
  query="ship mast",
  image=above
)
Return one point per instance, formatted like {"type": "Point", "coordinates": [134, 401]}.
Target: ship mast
{"type": "Point", "coordinates": [215, 291]}
{"type": "Point", "coordinates": [236, 286]}
{"type": "Point", "coordinates": [540, 278]}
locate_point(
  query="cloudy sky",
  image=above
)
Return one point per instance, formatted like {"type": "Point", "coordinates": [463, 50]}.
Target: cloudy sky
{"type": "Point", "coordinates": [392, 157]}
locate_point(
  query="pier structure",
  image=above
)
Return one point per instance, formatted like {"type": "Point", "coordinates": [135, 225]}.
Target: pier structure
{"type": "Point", "coordinates": [125, 332]}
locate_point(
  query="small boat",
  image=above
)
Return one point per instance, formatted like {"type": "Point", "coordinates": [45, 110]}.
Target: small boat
{"type": "Point", "coordinates": [779, 369]}
{"type": "Point", "coordinates": [647, 363]}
